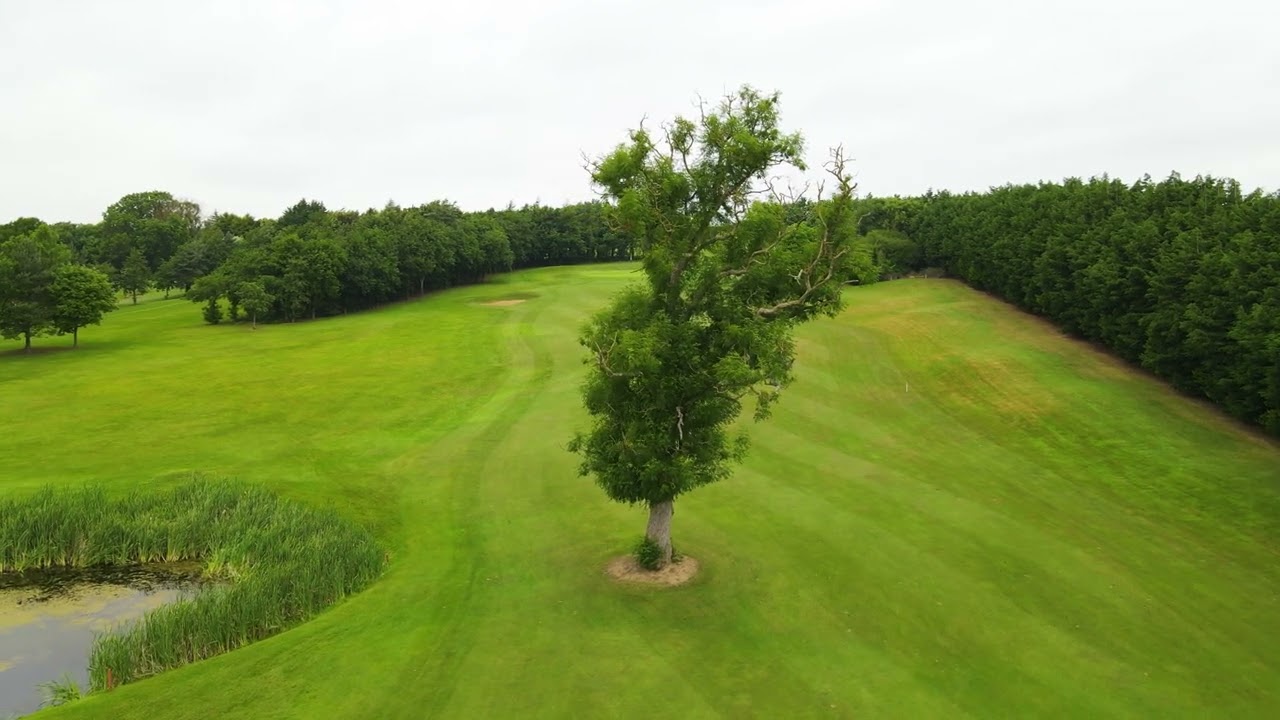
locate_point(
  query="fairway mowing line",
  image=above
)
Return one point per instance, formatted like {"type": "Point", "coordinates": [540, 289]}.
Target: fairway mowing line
{"type": "Point", "coordinates": [967, 383]}
{"type": "Point", "coordinates": [880, 548]}
{"type": "Point", "coordinates": [458, 600]}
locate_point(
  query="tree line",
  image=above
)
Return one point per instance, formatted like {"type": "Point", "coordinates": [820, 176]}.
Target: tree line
{"type": "Point", "coordinates": [1181, 276]}
{"type": "Point", "coordinates": [43, 291]}
{"type": "Point", "coordinates": [314, 262]}
{"type": "Point", "coordinates": [308, 262]}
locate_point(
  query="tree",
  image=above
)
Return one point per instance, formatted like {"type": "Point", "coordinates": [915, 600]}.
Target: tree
{"type": "Point", "coordinates": [312, 272]}
{"type": "Point", "coordinates": [302, 212]}
{"type": "Point", "coordinates": [896, 253]}
{"type": "Point", "coordinates": [255, 299]}
{"type": "Point", "coordinates": [727, 279]}
{"type": "Point", "coordinates": [209, 290]}
{"type": "Point", "coordinates": [81, 296]}
{"type": "Point", "coordinates": [19, 227]}
{"type": "Point", "coordinates": [135, 276]}
{"type": "Point", "coordinates": [27, 267]}
{"type": "Point", "coordinates": [80, 238]}
{"type": "Point", "coordinates": [1177, 276]}
{"type": "Point", "coordinates": [154, 223]}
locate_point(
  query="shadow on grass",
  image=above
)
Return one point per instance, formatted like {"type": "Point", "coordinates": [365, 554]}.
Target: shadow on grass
{"type": "Point", "coordinates": [41, 350]}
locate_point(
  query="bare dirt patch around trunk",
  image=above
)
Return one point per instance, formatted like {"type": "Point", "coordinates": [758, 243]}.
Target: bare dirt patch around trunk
{"type": "Point", "coordinates": [503, 303]}
{"type": "Point", "coordinates": [626, 569]}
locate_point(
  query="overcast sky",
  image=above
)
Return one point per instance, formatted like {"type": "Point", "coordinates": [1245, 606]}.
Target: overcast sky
{"type": "Point", "coordinates": [249, 106]}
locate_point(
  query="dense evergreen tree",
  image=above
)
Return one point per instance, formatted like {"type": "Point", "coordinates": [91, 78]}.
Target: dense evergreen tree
{"type": "Point", "coordinates": [134, 277]}
{"type": "Point", "coordinates": [1180, 276]}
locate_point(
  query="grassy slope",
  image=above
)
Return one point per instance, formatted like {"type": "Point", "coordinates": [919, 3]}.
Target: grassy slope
{"type": "Point", "coordinates": [953, 512]}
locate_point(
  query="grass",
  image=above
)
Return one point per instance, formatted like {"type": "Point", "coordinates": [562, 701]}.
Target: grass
{"type": "Point", "coordinates": [954, 512]}
{"type": "Point", "coordinates": [61, 691]}
{"type": "Point", "coordinates": [284, 561]}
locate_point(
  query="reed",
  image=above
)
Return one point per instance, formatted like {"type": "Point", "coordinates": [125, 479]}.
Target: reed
{"type": "Point", "coordinates": [60, 692]}
{"type": "Point", "coordinates": [285, 562]}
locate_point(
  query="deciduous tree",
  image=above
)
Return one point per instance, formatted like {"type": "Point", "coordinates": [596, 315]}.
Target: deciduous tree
{"type": "Point", "coordinates": [27, 267]}
{"type": "Point", "coordinates": [154, 223]}
{"type": "Point", "coordinates": [727, 279]}
{"type": "Point", "coordinates": [81, 296]}
{"type": "Point", "coordinates": [255, 299]}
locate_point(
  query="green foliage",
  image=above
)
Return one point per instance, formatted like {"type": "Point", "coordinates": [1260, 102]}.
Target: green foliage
{"type": "Point", "coordinates": [135, 276]}
{"type": "Point", "coordinates": [1180, 276]}
{"type": "Point", "coordinates": [81, 296]}
{"type": "Point", "coordinates": [285, 563]}
{"type": "Point", "coordinates": [312, 272]}
{"type": "Point", "coordinates": [212, 312]}
{"type": "Point", "coordinates": [255, 299]}
{"type": "Point", "coordinates": [648, 554]}
{"type": "Point", "coordinates": [28, 266]}
{"type": "Point", "coordinates": [303, 212]}
{"type": "Point", "coordinates": [41, 291]}
{"type": "Point", "coordinates": [540, 235]}
{"type": "Point", "coordinates": [728, 278]}
{"type": "Point", "coordinates": [19, 227]}
{"type": "Point", "coordinates": [61, 691]}
{"type": "Point", "coordinates": [154, 223]}
{"type": "Point", "coordinates": [315, 262]}
{"type": "Point", "coordinates": [195, 259]}
{"type": "Point", "coordinates": [898, 215]}
{"type": "Point", "coordinates": [896, 254]}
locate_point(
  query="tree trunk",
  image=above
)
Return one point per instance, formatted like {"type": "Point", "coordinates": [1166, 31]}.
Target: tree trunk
{"type": "Point", "coordinates": [659, 530]}
{"type": "Point", "coordinates": [135, 298]}
{"type": "Point", "coordinates": [75, 337]}
{"type": "Point", "coordinates": [254, 322]}
{"type": "Point", "coordinates": [27, 347]}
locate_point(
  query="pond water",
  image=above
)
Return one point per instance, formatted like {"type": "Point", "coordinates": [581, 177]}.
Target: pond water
{"type": "Point", "coordinates": [48, 619]}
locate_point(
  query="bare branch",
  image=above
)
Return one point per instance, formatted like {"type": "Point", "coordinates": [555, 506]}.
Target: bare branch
{"type": "Point", "coordinates": [602, 359]}
{"type": "Point", "coordinates": [820, 270]}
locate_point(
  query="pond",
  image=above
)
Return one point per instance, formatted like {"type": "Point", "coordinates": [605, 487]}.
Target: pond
{"type": "Point", "coordinates": [48, 619]}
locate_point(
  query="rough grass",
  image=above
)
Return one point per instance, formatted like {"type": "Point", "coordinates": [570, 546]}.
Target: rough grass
{"type": "Point", "coordinates": [282, 562]}
{"type": "Point", "coordinates": [1029, 531]}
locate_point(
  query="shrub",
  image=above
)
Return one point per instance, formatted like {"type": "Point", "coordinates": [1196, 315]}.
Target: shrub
{"type": "Point", "coordinates": [648, 554]}
{"type": "Point", "coordinates": [213, 312]}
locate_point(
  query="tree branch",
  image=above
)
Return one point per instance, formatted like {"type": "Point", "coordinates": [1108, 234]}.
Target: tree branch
{"type": "Point", "coordinates": [821, 269]}
{"type": "Point", "coordinates": [602, 359]}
